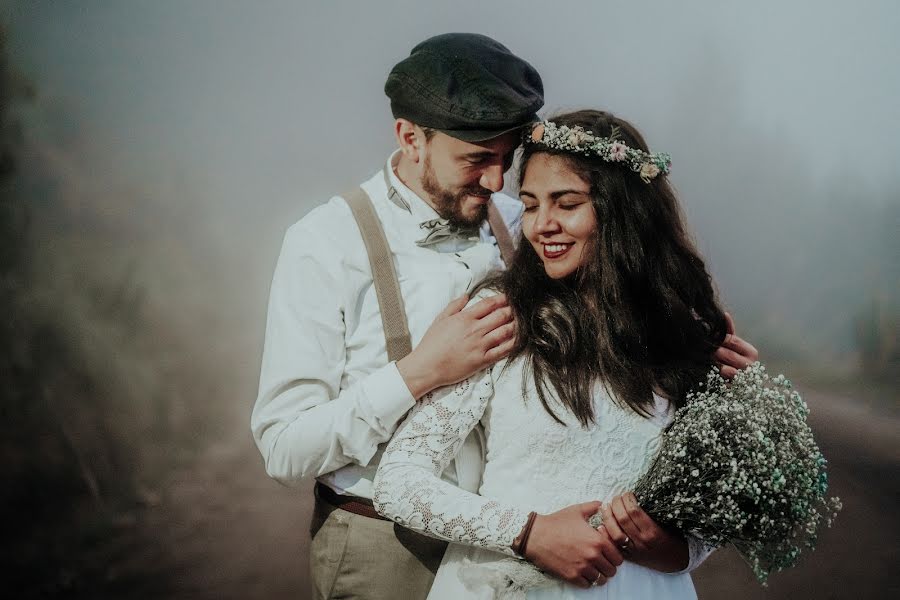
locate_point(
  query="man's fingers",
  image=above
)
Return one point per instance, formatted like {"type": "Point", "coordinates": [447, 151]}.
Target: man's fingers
{"type": "Point", "coordinates": [499, 335]}
{"type": "Point", "coordinates": [729, 323]}
{"type": "Point", "coordinates": [741, 346]}
{"type": "Point", "coordinates": [456, 305]}
{"type": "Point", "coordinates": [731, 358]}
{"type": "Point", "coordinates": [727, 372]}
{"type": "Point", "coordinates": [499, 317]}
{"type": "Point", "coordinates": [500, 351]}
{"type": "Point", "coordinates": [485, 307]}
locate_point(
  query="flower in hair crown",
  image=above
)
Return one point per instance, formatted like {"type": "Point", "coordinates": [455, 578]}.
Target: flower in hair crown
{"type": "Point", "coordinates": [578, 140]}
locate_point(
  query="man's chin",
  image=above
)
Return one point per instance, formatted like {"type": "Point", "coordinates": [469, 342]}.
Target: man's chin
{"type": "Point", "coordinates": [474, 213]}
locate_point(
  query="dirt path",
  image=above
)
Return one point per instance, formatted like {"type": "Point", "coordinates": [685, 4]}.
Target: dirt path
{"type": "Point", "coordinates": [230, 532]}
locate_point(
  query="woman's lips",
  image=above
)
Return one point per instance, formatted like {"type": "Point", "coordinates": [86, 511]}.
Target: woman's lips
{"type": "Point", "coordinates": [556, 250]}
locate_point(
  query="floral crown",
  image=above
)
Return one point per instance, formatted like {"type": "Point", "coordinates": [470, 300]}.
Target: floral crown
{"type": "Point", "coordinates": [578, 140]}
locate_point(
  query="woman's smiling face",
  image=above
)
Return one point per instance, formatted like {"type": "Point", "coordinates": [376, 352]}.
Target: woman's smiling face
{"type": "Point", "coordinates": [559, 218]}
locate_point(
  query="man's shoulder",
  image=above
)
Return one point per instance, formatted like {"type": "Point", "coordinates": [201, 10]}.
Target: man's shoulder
{"type": "Point", "coordinates": [333, 218]}
{"type": "Point", "coordinates": [329, 220]}
{"type": "Point", "coordinates": [326, 229]}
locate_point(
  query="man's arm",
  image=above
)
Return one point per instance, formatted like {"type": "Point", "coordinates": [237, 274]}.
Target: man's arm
{"type": "Point", "coordinates": [304, 423]}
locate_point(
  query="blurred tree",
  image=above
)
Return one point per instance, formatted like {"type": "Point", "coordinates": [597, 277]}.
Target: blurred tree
{"type": "Point", "coordinates": [14, 89]}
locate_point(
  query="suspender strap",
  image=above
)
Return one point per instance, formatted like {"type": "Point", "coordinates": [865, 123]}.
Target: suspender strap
{"type": "Point", "coordinates": [501, 234]}
{"type": "Point", "coordinates": [384, 276]}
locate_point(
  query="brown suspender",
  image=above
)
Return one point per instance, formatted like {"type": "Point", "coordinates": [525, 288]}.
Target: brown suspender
{"type": "Point", "coordinates": [384, 276]}
{"type": "Point", "coordinates": [501, 234]}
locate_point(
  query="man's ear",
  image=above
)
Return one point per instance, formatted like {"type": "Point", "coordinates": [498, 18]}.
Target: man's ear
{"type": "Point", "coordinates": [411, 139]}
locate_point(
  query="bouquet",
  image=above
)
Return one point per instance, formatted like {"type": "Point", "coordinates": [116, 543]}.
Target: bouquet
{"type": "Point", "coordinates": [737, 465]}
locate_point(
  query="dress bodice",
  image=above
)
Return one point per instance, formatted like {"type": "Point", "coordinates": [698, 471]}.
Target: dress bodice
{"type": "Point", "coordinates": [539, 464]}
{"type": "Point", "coordinates": [532, 463]}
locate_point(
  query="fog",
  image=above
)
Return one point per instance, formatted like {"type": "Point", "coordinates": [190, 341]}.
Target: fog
{"type": "Point", "coordinates": [781, 118]}
{"type": "Point", "coordinates": [163, 148]}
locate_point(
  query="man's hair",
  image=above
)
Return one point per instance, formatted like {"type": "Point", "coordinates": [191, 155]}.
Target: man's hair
{"type": "Point", "coordinates": [429, 132]}
{"type": "Point", "coordinates": [640, 315]}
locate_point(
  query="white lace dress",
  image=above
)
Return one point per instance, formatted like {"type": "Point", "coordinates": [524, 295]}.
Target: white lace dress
{"type": "Point", "coordinates": [531, 463]}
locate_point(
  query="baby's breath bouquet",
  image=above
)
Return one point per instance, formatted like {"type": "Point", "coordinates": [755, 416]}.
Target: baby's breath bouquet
{"type": "Point", "coordinates": [737, 465]}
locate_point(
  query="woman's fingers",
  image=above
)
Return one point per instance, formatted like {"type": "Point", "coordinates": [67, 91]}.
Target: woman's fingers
{"type": "Point", "coordinates": [632, 532]}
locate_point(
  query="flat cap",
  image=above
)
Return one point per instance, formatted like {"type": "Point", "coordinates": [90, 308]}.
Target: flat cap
{"type": "Point", "coordinates": [466, 85]}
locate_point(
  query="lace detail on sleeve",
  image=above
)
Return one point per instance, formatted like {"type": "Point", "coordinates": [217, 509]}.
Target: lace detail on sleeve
{"type": "Point", "coordinates": [408, 488]}
{"type": "Point", "coordinates": [698, 551]}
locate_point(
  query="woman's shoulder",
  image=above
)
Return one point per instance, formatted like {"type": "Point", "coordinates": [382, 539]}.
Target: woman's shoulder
{"type": "Point", "coordinates": [482, 292]}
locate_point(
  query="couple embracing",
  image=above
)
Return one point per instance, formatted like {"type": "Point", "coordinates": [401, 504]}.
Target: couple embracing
{"type": "Point", "coordinates": [460, 401]}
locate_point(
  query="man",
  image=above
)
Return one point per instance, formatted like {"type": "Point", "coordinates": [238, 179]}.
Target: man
{"type": "Point", "coordinates": [329, 398]}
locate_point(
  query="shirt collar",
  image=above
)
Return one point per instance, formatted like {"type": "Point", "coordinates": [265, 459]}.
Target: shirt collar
{"type": "Point", "coordinates": [404, 197]}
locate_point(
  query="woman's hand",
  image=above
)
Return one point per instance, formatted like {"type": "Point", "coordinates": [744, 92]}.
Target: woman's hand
{"type": "Point", "coordinates": [566, 546]}
{"type": "Point", "coordinates": [641, 540]}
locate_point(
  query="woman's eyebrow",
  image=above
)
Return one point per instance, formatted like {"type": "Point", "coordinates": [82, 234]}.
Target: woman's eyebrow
{"type": "Point", "coordinates": [556, 194]}
{"type": "Point", "coordinates": [560, 193]}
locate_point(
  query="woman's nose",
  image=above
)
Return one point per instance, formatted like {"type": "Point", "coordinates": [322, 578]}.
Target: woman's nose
{"type": "Point", "coordinates": [545, 221]}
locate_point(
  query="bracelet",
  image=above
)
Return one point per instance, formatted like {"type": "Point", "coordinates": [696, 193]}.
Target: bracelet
{"type": "Point", "coordinates": [521, 542]}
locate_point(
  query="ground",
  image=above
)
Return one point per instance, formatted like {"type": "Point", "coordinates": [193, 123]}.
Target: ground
{"type": "Point", "coordinates": [221, 529]}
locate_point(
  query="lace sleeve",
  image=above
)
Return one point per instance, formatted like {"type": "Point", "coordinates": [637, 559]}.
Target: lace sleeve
{"type": "Point", "coordinates": [698, 551]}
{"type": "Point", "coordinates": [408, 487]}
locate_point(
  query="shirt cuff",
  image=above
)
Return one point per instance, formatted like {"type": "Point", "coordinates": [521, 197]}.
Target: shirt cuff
{"type": "Point", "coordinates": [388, 396]}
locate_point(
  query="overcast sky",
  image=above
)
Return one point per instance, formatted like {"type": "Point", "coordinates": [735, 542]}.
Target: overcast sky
{"type": "Point", "coordinates": [296, 87]}
{"type": "Point", "coordinates": [265, 109]}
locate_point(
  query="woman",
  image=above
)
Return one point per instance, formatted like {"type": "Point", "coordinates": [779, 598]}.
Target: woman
{"type": "Point", "coordinates": [617, 319]}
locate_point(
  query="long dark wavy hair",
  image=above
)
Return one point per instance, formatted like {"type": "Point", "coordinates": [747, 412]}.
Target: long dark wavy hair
{"type": "Point", "coordinates": [640, 315]}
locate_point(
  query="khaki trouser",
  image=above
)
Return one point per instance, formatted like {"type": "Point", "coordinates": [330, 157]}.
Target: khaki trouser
{"type": "Point", "coordinates": [352, 556]}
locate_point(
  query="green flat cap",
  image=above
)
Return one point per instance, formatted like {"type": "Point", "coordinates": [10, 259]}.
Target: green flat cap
{"type": "Point", "coordinates": [467, 86]}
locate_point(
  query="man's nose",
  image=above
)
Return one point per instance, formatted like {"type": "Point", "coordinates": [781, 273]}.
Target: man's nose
{"type": "Point", "coordinates": [492, 178]}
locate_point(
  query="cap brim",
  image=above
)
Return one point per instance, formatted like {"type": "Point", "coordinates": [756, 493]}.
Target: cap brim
{"type": "Point", "coordinates": [482, 135]}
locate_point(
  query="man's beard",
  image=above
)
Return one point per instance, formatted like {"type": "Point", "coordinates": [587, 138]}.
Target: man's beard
{"type": "Point", "coordinates": [448, 202]}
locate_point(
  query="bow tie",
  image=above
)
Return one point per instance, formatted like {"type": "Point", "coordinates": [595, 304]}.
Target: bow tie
{"type": "Point", "coordinates": [441, 229]}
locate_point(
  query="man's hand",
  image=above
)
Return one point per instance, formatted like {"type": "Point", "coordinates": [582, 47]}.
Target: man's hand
{"type": "Point", "coordinates": [459, 343]}
{"type": "Point", "coordinates": [734, 354]}
{"type": "Point", "coordinates": [565, 545]}
{"type": "Point", "coordinates": [640, 538]}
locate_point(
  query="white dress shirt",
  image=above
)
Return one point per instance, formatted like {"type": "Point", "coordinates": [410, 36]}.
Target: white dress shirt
{"type": "Point", "coordinates": [329, 400]}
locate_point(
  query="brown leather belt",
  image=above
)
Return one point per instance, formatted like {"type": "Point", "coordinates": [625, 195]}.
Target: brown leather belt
{"type": "Point", "coordinates": [354, 504]}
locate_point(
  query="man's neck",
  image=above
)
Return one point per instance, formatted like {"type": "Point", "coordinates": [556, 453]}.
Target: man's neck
{"type": "Point", "coordinates": [407, 174]}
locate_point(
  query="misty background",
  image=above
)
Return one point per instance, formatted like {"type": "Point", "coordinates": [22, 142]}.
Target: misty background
{"type": "Point", "coordinates": [154, 153]}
